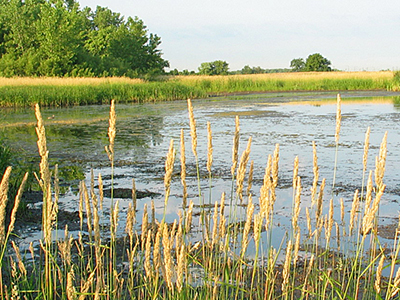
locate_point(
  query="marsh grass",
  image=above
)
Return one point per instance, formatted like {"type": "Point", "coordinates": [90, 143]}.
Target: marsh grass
{"type": "Point", "coordinates": [81, 91]}
{"type": "Point", "coordinates": [159, 260]}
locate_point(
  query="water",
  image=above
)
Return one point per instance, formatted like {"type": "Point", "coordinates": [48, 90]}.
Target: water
{"type": "Point", "coordinates": [77, 136]}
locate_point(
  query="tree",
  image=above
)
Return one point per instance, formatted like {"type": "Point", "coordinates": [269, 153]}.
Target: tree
{"type": "Point", "coordinates": [316, 62]}
{"type": "Point", "coordinates": [297, 65]}
{"type": "Point", "coordinates": [217, 67]}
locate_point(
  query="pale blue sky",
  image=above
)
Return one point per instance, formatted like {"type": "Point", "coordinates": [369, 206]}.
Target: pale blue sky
{"type": "Point", "coordinates": [352, 34]}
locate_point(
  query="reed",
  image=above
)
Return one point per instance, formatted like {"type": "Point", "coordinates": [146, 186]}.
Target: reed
{"type": "Point", "coordinates": [171, 261]}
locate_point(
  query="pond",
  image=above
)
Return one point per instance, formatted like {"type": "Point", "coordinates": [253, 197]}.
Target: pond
{"type": "Point", "coordinates": [77, 135]}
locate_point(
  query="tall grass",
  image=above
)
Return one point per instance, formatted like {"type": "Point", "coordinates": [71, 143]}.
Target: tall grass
{"type": "Point", "coordinates": [80, 91]}
{"type": "Point", "coordinates": [157, 260]}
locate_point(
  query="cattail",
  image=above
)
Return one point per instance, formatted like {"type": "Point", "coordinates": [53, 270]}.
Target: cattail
{"type": "Point", "coordinates": [183, 171]}
{"type": "Point", "coordinates": [209, 148]}
{"type": "Point", "coordinates": [16, 204]}
{"type": "Point", "coordinates": [377, 284]}
{"type": "Point", "coordinates": [338, 119]}
{"type": "Point", "coordinates": [354, 209]}
{"type": "Point", "coordinates": [380, 162]}
{"type": "Point", "coordinates": [111, 132]}
{"type": "Point", "coordinates": [316, 174]}
{"type": "Point", "coordinates": [235, 148]}
{"type": "Point", "coordinates": [247, 225]}
{"type": "Point", "coordinates": [241, 171]}
{"type": "Point", "coordinates": [286, 267]}
{"type": "Point", "coordinates": [169, 167]}
{"type": "Point", "coordinates": [250, 179]}
{"type": "Point", "coordinates": [192, 123]}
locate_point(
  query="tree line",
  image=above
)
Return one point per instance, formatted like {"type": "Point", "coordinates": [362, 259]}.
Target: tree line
{"type": "Point", "coordinates": [58, 38]}
{"type": "Point", "coordinates": [314, 63]}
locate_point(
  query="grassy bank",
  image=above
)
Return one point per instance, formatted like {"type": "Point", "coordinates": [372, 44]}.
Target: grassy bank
{"type": "Point", "coordinates": [185, 260]}
{"type": "Point", "coordinates": [81, 91]}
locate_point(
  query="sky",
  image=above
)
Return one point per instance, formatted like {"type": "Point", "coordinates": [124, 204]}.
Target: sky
{"type": "Point", "coordinates": [355, 35]}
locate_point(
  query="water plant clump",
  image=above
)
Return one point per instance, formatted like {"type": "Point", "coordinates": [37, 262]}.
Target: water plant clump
{"type": "Point", "coordinates": [334, 255]}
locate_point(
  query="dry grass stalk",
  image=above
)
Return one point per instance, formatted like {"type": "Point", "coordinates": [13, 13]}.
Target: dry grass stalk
{"type": "Point", "coordinates": [308, 221]}
{"type": "Point", "coordinates": [265, 190]}
{"type": "Point", "coordinates": [378, 277]}
{"type": "Point", "coordinates": [168, 262]}
{"type": "Point", "coordinates": [328, 230]}
{"type": "Point", "coordinates": [316, 174]}
{"type": "Point", "coordinates": [101, 191]}
{"type": "Point", "coordinates": [250, 179]}
{"type": "Point", "coordinates": [147, 256]}
{"type": "Point", "coordinates": [342, 210]}
{"type": "Point", "coordinates": [295, 172]}
{"type": "Point", "coordinates": [134, 201]}
{"type": "Point", "coordinates": [286, 268]}
{"type": "Point", "coordinates": [215, 235]}
{"type": "Point", "coordinates": [181, 264]}
{"type": "Point", "coordinates": [88, 209]}
{"type": "Point", "coordinates": [257, 224]}
{"type": "Point", "coordinates": [235, 147]}
{"type": "Point", "coordinates": [3, 202]}
{"type": "Point", "coordinates": [21, 264]}
{"type": "Point", "coordinates": [296, 209]}
{"type": "Point", "coordinates": [114, 221]}
{"type": "Point", "coordinates": [318, 211]}
{"type": "Point", "coordinates": [71, 291]}
{"type": "Point", "coordinates": [241, 171]}
{"type": "Point", "coordinates": [380, 163]}
{"type": "Point", "coordinates": [188, 224]}
{"type": "Point", "coordinates": [16, 204]}
{"type": "Point", "coordinates": [111, 132]}
{"type": "Point", "coordinates": [156, 250]}
{"type": "Point", "coordinates": [169, 167]}
{"type": "Point", "coordinates": [145, 225]}
{"type": "Point", "coordinates": [183, 171]}
{"type": "Point", "coordinates": [209, 148]}
{"type": "Point", "coordinates": [354, 210]}
{"type": "Point", "coordinates": [192, 123]}
{"type": "Point", "coordinates": [366, 147]}
{"type": "Point", "coordinates": [368, 195]}
{"type": "Point", "coordinates": [87, 285]}
{"type": "Point", "coordinates": [370, 212]}
{"type": "Point", "coordinates": [247, 226]}
{"type": "Point", "coordinates": [338, 118]}
{"type": "Point", "coordinates": [275, 167]}
{"type": "Point", "coordinates": [296, 249]}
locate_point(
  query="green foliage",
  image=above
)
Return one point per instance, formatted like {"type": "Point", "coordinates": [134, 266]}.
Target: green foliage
{"type": "Point", "coordinates": [297, 65]}
{"type": "Point", "coordinates": [57, 38]}
{"type": "Point", "coordinates": [217, 67]}
{"type": "Point", "coordinates": [314, 63]}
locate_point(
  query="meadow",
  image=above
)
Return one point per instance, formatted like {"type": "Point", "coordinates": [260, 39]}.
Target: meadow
{"type": "Point", "coordinates": [183, 260]}
{"type": "Point", "coordinates": [16, 92]}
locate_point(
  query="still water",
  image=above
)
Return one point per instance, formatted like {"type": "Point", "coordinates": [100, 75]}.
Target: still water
{"type": "Point", "coordinates": [77, 136]}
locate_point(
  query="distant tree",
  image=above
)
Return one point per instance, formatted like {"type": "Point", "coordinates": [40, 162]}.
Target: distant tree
{"type": "Point", "coordinates": [297, 65]}
{"type": "Point", "coordinates": [316, 62]}
{"type": "Point", "coordinates": [217, 67]}
{"type": "Point", "coordinates": [247, 70]}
